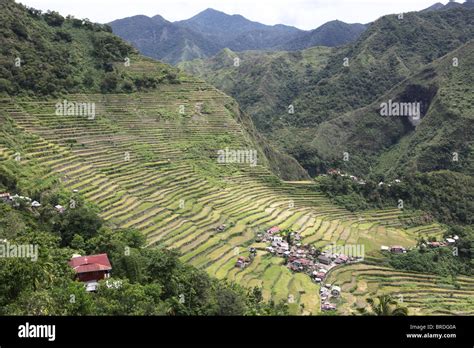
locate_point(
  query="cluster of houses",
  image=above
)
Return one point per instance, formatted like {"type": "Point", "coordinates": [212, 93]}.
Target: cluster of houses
{"type": "Point", "coordinates": [447, 242]}
{"type": "Point", "coordinates": [327, 293]}
{"type": "Point", "coordinates": [243, 261]}
{"type": "Point", "coordinates": [352, 177]}
{"type": "Point", "coordinates": [301, 257]}
{"type": "Point", "coordinates": [395, 249]}
{"type": "Point", "coordinates": [306, 259]}
{"type": "Point", "coordinates": [358, 180]}
{"type": "Point", "coordinates": [16, 200]}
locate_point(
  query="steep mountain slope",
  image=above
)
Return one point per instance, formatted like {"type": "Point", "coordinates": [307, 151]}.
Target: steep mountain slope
{"type": "Point", "coordinates": [50, 55]}
{"type": "Point", "coordinates": [264, 81]}
{"type": "Point", "coordinates": [435, 7]}
{"type": "Point", "coordinates": [354, 76]}
{"type": "Point", "coordinates": [444, 92]}
{"type": "Point", "coordinates": [163, 40]}
{"type": "Point", "coordinates": [58, 56]}
{"type": "Point", "coordinates": [210, 31]}
{"type": "Point", "coordinates": [331, 34]}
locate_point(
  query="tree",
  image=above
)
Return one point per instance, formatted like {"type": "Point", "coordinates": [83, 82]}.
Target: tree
{"type": "Point", "coordinates": [82, 221]}
{"type": "Point", "coordinates": [109, 83]}
{"type": "Point", "coordinates": [53, 18]}
{"type": "Point", "coordinates": [384, 305]}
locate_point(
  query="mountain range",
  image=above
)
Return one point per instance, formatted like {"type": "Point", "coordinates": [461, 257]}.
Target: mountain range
{"type": "Point", "coordinates": [450, 5]}
{"type": "Point", "coordinates": [210, 31]}
{"type": "Point", "coordinates": [329, 90]}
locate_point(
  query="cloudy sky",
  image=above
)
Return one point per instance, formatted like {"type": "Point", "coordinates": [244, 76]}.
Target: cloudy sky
{"type": "Point", "coordinates": [304, 14]}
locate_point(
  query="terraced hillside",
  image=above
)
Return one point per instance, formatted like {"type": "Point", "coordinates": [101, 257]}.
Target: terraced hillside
{"type": "Point", "coordinates": [149, 161]}
{"type": "Point", "coordinates": [421, 293]}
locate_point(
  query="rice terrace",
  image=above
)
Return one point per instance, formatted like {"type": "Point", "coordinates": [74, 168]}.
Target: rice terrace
{"type": "Point", "coordinates": [275, 186]}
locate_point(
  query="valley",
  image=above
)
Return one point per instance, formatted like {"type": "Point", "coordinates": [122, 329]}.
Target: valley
{"type": "Point", "coordinates": [176, 172]}
{"type": "Point", "coordinates": [163, 191]}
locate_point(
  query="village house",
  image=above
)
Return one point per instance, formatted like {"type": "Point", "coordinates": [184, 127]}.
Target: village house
{"type": "Point", "coordinates": [91, 269]}
{"type": "Point", "coordinates": [5, 197]}
{"type": "Point", "coordinates": [242, 262]}
{"type": "Point", "coordinates": [299, 265]}
{"type": "Point", "coordinates": [328, 307]}
{"type": "Point", "coordinates": [336, 291]}
{"type": "Point", "coordinates": [396, 249]}
{"type": "Point", "coordinates": [450, 240]}
{"type": "Point", "coordinates": [435, 244]}
{"type": "Point", "coordinates": [276, 241]}
{"type": "Point", "coordinates": [60, 209]}
{"type": "Point", "coordinates": [21, 198]}
{"type": "Point", "coordinates": [325, 260]}
{"type": "Point", "coordinates": [35, 204]}
{"type": "Point", "coordinates": [221, 228]}
{"type": "Point", "coordinates": [341, 259]}
{"type": "Point", "coordinates": [319, 276]}
{"type": "Point", "coordinates": [273, 230]}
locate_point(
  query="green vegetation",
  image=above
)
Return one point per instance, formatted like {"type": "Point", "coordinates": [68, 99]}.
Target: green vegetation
{"type": "Point", "coordinates": [384, 305]}
{"type": "Point", "coordinates": [440, 261]}
{"type": "Point", "coordinates": [151, 281]}
{"type": "Point", "coordinates": [420, 293]}
{"type": "Point", "coordinates": [446, 196]}
{"type": "Point", "coordinates": [47, 54]}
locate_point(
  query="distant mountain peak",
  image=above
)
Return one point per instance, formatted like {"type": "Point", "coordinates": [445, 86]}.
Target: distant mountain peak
{"type": "Point", "coordinates": [211, 10]}
{"type": "Point", "coordinates": [160, 19]}
{"type": "Point", "coordinates": [210, 13]}
{"type": "Point", "coordinates": [450, 5]}
{"type": "Point", "coordinates": [208, 32]}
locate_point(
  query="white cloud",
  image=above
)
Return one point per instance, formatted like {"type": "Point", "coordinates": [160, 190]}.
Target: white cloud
{"type": "Point", "coordinates": [304, 14]}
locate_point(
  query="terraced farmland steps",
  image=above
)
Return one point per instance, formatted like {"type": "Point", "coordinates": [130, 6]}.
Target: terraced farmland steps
{"type": "Point", "coordinates": [149, 167]}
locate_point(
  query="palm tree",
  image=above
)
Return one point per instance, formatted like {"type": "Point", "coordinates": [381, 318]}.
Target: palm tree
{"type": "Point", "coordinates": [384, 305]}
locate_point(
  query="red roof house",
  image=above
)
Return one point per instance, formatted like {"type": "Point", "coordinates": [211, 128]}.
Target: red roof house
{"type": "Point", "coordinates": [274, 229]}
{"type": "Point", "coordinates": [91, 268]}
{"type": "Point", "coordinates": [397, 249]}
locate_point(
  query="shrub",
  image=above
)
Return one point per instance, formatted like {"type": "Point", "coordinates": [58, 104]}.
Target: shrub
{"type": "Point", "coordinates": [53, 18]}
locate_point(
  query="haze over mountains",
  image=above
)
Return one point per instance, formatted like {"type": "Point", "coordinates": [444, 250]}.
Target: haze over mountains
{"type": "Point", "coordinates": [210, 31]}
